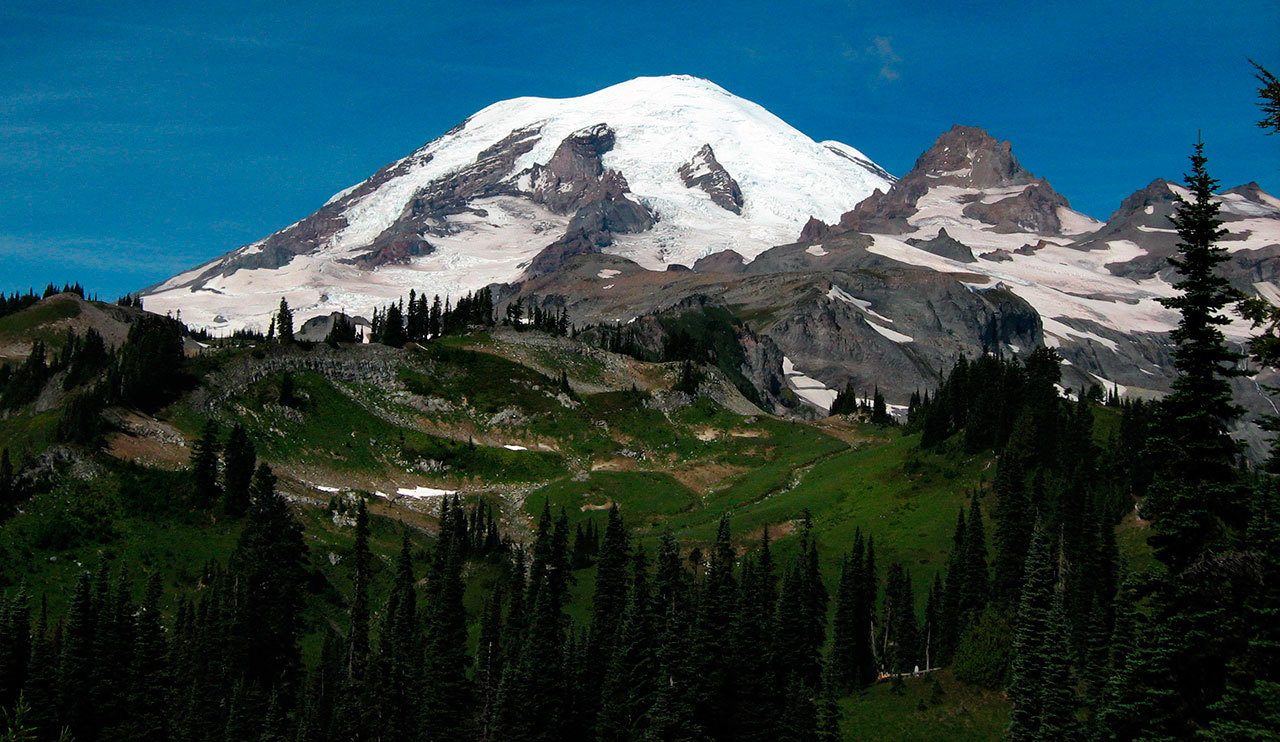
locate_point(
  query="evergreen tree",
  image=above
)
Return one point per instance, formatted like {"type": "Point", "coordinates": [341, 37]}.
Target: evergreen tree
{"type": "Point", "coordinates": [631, 681]}
{"type": "Point", "coordinates": [399, 658]}
{"type": "Point", "coordinates": [269, 565]}
{"type": "Point", "coordinates": [284, 322]}
{"type": "Point", "coordinates": [900, 642]}
{"type": "Point", "coordinates": [1041, 688]}
{"type": "Point", "coordinates": [149, 694]}
{"type": "Point", "coordinates": [204, 466]}
{"type": "Point", "coordinates": [844, 627]}
{"type": "Point", "coordinates": [1195, 492]}
{"type": "Point", "coordinates": [976, 575]}
{"type": "Point", "coordinates": [8, 488]}
{"type": "Point", "coordinates": [802, 613]}
{"type": "Point", "coordinates": [76, 667]}
{"type": "Point", "coordinates": [446, 691]}
{"type": "Point", "coordinates": [608, 605]}
{"type": "Point", "coordinates": [489, 664]}
{"type": "Point", "coordinates": [712, 634]}
{"type": "Point", "coordinates": [1181, 664]}
{"type": "Point", "coordinates": [41, 683]}
{"type": "Point", "coordinates": [239, 462]}
{"type": "Point", "coordinates": [1268, 98]}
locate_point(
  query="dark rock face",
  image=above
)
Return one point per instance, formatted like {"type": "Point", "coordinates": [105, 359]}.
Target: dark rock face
{"type": "Point", "coordinates": [789, 302]}
{"type": "Point", "coordinates": [706, 173]}
{"type": "Point", "coordinates": [575, 181]}
{"type": "Point", "coordinates": [989, 163]}
{"type": "Point", "coordinates": [815, 229]}
{"type": "Point", "coordinates": [998, 255]}
{"type": "Point", "coordinates": [862, 162]}
{"type": "Point", "coordinates": [1034, 209]}
{"type": "Point", "coordinates": [725, 261]}
{"type": "Point", "coordinates": [945, 246]}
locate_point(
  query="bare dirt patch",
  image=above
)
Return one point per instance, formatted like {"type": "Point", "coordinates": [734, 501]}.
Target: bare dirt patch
{"type": "Point", "coordinates": [147, 451]}
{"type": "Point", "coordinates": [702, 478]}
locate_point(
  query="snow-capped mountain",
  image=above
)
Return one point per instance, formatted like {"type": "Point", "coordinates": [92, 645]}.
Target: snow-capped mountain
{"type": "Point", "coordinates": [661, 170]}
{"type": "Point", "coordinates": [969, 208]}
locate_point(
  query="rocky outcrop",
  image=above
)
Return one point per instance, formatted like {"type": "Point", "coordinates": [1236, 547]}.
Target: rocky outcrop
{"type": "Point", "coordinates": [963, 157]}
{"type": "Point", "coordinates": [725, 261]}
{"type": "Point", "coordinates": [1033, 209]}
{"type": "Point", "coordinates": [946, 247]}
{"type": "Point", "coordinates": [815, 229]}
{"type": "Point", "coordinates": [317, 329]}
{"type": "Point", "coordinates": [575, 181]}
{"type": "Point", "coordinates": [705, 173]}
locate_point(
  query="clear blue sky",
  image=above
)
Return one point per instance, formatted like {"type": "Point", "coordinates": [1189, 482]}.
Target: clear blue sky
{"type": "Point", "coordinates": [137, 139]}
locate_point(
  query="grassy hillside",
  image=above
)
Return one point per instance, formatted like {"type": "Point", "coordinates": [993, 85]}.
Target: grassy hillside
{"type": "Point", "coordinates": [490, 417]}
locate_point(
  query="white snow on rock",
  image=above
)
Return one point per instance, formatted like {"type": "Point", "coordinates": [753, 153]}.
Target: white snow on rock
{"type": "Point", "coordinates": [840, 294]}
{"type": "Point", "coordinates": [893, 335]}
{"type": "Point", "coordinates": [809, 389]}
{"type": "Point", "coordinates": [607, 273]}
{"type": "Point", "coordinates": [512, 447]}
{"type": "Point", "coordinates": [815, 250]}
{"type": "Point", "coordinates": [423, 492]}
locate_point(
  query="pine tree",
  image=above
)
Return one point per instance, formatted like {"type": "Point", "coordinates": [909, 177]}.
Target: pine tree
{"type": "Point", "coordinates": [355, 714]}
{"type": "Point", "coordinates": [712, 632]}
{"type": "Point", "coordinates": [1195, 491]}
{"type": "Point", "coordinates": [446, 691]}
{"type": "Point", "coordinates": [41, 686]}
{"type": "Point", "coordinates": [868, 659]}
{"type": "Point", "coordinates": [844, 627]}
{"type": "Point", "coordinates": [269, 568]}
{"type": "Point", "coordinates": [976, 575]}
{"type": "Point", "coordinates": [631, 681]}
{"type": "Point", "coordinates": [75, 667]}
{"type": "Point", "coordinates": [284, 322]}
{"type": "Point", "coordinates": [900, 642]}
{"type": "Point", "coordinates": [1041, 689]}
{"type": "Point", "coordinates": [608, 605]}
{"type": "Point", "coordinates": [1196, 498]}
{"type": "Point", "coordinates": [204, 466]}
{"type": "Point", "coordinates": [149, 694]}
{"type": "Point", "coordinates": [489, 664]}
{"type": "Point", "coordinates": [399, 656]}
{"type": "Point", "coordinates": [1268, 98]}
{"type": "Point", "coordinates": [240, 460]}
{"type": "Point", "coordinates": [8, 490]}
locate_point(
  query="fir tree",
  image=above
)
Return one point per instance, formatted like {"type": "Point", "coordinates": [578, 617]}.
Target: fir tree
{"type": "Point", "coordinates": [269, 564]}
{"type": "Point", "coordinates": [631, 681]}
{"type": "Point", "coordinates": [284, 322]}
{"type": "Point", "coordinates": [239, 462]}
{"type": "Point", "coordinates": [446, 690]}
{"type": "Point", "coordinates": [149, 694]}
{"type": "Point", "coordinates": [204, 466]}
{"type": "Point", "coordinates": [1195, 491]}
{"type": "Point", "coordinates": [1268, 98]}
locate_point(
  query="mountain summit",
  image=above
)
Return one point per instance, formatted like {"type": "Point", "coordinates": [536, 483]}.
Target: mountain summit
{"type": "Point", "coordinates": [661, 170]}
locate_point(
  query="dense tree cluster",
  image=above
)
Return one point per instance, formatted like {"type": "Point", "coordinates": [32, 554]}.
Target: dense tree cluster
{"type": "Point", "coordinates": [419, 320]}
{"type": "Point", "coordinates": [532, 315]}
{"type": "Point", "coordinates": [112, 669]}
{"type": "Point", "coordinates": [849, 402]}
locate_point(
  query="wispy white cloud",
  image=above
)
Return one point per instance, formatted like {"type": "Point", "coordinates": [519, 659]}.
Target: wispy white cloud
{"type": "Point", "coordinates": [881, 49]}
